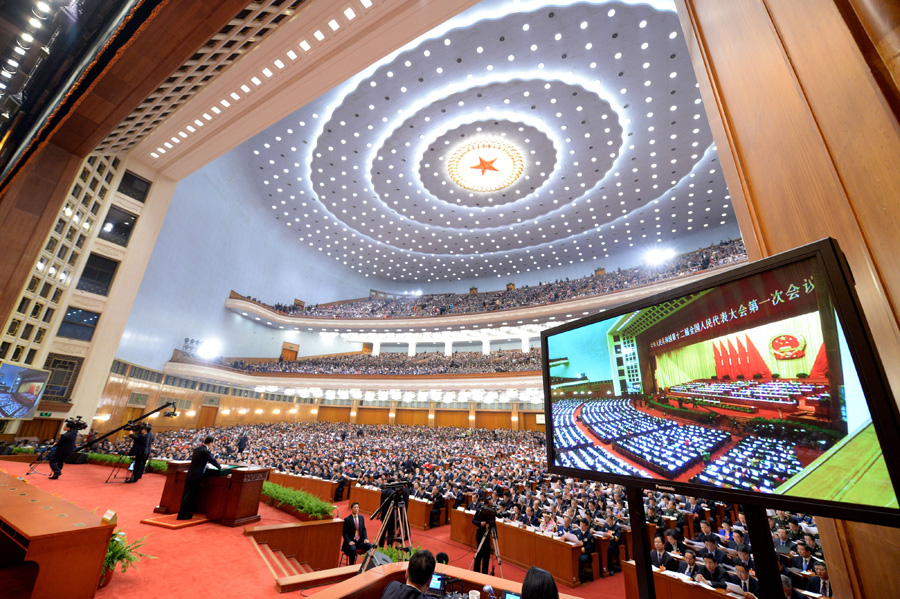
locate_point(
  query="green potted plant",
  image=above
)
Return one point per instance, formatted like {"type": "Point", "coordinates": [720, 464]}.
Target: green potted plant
{"type": "Point", "coordinates": [121, 552]}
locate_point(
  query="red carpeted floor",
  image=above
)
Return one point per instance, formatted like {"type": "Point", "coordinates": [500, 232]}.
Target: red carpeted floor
{"type": "Point", "coordinates": [213, 560]}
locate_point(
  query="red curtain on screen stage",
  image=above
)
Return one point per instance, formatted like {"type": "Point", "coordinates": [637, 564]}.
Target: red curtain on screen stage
{"type": "Point", "coordinates": [820, 366]}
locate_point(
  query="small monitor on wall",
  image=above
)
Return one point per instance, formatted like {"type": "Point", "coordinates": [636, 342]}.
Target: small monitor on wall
{"type": "Point", "coordinates": [21, 389]}
{"type": "Point", "coordinates": [755, 384]}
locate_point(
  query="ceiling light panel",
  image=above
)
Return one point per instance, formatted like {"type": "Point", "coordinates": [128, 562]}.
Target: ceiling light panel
{"type": "Point", "coordinates": [600, 104]}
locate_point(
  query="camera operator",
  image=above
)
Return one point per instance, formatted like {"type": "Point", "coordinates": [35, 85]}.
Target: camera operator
{"type": "Point", "coordinates": [62, 449]}
{"type": "Point", "coordinates": [484, 520]}
{"type": "Point", "coordinates": [139, 449]}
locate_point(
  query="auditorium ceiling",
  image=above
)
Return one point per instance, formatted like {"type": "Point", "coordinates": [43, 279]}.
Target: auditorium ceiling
{"type": "Point", "coordinates": [512, 139]}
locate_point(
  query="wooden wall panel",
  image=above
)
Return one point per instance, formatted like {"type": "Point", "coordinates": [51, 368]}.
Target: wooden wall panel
{"type": "Point", "coordinates": [809, 145]}
{"type": "Point", "coordinates": [484, 419]}
{"type": "Point", "coordinates": [333, 414]}
{"type": "Point", "coordinates": [411, 417]}
{"type": "Point", "coordinates": [529, 421]}
{"type": "Point", "coordinates": [42, 428]}
{"type": "Point", "coordinates": [458, 418]}
{"type": "Point", "coordinates": [372, 415]}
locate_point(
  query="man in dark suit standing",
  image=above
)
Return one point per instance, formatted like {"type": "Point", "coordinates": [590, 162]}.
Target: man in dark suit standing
{"type": "Point", "coordinates": [139, 450]}
{"type": "Point", "coordinates": [242, 443]}
{"type": "Point", "coordinates": [201, 457]}
{"type": "Point", "coordinates": [354, 533]}
{"type": "Point", "coordinates": [63, 449]}
{"type": "Point", "coordinates": [418, 577]}
{"type": "Point", "coordinates": [483, 520]}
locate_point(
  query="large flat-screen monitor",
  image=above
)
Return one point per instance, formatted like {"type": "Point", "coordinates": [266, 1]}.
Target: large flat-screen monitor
{"type": "Point", "coordinates": [20, 390]}
{"type": "Point", "coordinates": [758, 385]}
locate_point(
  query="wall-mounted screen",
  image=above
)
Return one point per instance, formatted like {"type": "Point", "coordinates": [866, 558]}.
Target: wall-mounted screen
{"type": "Point", "coordinates": [759, 382]}
{"type": "Point", "coordinates": [20, 390]}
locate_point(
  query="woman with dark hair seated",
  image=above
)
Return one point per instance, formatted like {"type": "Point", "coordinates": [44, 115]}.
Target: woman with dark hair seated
{"type": "Point", "coordinates": [539, 584]}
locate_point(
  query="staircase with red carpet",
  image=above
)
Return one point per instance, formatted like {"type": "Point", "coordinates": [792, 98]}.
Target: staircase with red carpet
{"type": "Point", "coordinates": [279, 564]}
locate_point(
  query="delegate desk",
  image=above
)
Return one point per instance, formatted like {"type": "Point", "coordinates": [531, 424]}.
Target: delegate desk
{"type": "Point", "coordinates": [66, 542]}
{"type": "Point", "coordinates": [461, 528]}
{"type": "Point", "coordinates": [321, 488]}
{"type": "Point", "coordinates": [369, 499]}
{"type": "Point", "coordinates": [526, 548]}
{"type": "Point", "coordinates": [230, 498]}
{"type": "Point", "coordinates": [419, 513]}
{"type": "Point", "coordinates": [668, 587]}
{"type": "Point", "coordinates": [371, 584]}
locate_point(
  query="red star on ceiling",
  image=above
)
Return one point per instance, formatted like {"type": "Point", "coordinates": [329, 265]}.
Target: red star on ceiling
{"type": "Point", "coordinates": [485, 165]}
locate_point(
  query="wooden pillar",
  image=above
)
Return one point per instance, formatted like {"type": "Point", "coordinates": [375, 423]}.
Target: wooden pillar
{"type": "Point", "coordinates": [810, 147]}
{"type": "Point", "coordinates": [28, 210]}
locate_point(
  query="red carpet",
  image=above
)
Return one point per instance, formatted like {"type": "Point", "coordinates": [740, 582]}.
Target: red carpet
{"type": "Point", "coordinates": [213, 560]}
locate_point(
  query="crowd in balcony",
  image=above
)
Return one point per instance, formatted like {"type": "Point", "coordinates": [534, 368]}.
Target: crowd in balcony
{"type": "Point", "coordinates": [721, 254]}
{"type": "Point", "coordinates": [396, 363]}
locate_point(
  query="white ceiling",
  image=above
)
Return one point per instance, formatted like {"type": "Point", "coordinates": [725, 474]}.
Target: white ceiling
{"type": "Point", "coordinates": [600, 100]}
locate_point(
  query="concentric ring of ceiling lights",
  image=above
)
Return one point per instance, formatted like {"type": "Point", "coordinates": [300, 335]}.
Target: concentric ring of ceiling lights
{"type": "Point", "coordinates": [501, 168]}
{"type": "Point", "coordinates": [600, 99]}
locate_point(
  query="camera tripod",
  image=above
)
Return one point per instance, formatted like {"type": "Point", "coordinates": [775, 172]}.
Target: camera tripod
{"type": "Point", "coordinates": [393, 507]}
{"type": "Point", "coordinates": [492, 533]}
{"type": "Point", "coordinates": [115, 472]}
{"type": "Point", "coordinates": [44, 456]}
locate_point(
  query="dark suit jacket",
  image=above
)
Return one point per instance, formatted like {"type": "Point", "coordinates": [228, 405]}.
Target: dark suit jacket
{"type": "Point", "coordinates": [200, 458]}
{"type": "Point", "coordinates": [814, 585]}
{"type": "Point", "coordinates": [242, 442]}
{"type": "Point", "coordinates": [349, 531]}
{"type": "Point", "coordinates": [140, 445]}
{"type": "Point", "coordinates": [718, 554]}
{"type": "Point", "coordinates": [400, 590]}
{"type": "Point", "coordinates": [668, 562]}
{"type": "Point", "coordinates": [797, 562]}
{"type": "Point", "coordinates": [717, 578]}
{"type": "Point", "coordinates": [65, 445]}
{"type": "Point", "coordinates": [751, 582]}
{"type": "Point", "coordinates": [683, 568]}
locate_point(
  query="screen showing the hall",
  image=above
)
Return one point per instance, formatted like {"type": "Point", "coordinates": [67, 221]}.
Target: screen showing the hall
{"type": "Point", "coordinates": [20, 390]}
{"type": "Point", "coordinates": [749, 385]}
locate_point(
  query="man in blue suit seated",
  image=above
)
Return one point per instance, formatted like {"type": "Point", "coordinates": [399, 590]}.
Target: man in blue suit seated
{"type": "Point", "coordinates": [418, 577]}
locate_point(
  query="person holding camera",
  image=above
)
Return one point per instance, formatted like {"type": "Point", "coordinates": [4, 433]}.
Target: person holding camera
{"type": "Point", "coordinates": [140, 451]}
{"type": "Point", "coordinates": [62, 449]}
{"type": "Point", "coordinates": [483, 521]}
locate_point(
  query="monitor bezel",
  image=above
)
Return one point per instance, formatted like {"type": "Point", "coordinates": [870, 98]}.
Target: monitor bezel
{"type": "Point", "coordinates": [40, 398]}
{"type": "Point", "coordinates": [879, 398]}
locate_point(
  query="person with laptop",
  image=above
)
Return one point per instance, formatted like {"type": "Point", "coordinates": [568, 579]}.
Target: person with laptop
{"type": "Point", "coordinates": [418, 578]}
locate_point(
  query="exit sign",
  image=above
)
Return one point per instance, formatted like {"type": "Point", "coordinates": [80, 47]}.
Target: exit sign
{"type": "Point", "coordinates": [46, 414]}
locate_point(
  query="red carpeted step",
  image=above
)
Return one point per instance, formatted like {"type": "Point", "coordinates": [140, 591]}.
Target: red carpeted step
{"type": "Point", "coordinates": [275, 567]}
{"type": "Point", "coordinates": [302, 568]}
{"type": "Point", "coordinates": [285, 563]}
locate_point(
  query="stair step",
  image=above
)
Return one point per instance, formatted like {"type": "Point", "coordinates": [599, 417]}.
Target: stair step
{"type": "Point", "coordinates": [264, 552]}
{"type": "Point", "coordinates": [282, 563]}
{"type": "Point", "coordinates": [301, 568]}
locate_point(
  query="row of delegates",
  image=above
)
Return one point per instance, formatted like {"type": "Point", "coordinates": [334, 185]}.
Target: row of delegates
{"type": "Point", "coordinates": [538, 583]}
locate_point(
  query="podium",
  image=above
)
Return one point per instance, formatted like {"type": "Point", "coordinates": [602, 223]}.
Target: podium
{"type": "Point", "coordinates": [230, 498]}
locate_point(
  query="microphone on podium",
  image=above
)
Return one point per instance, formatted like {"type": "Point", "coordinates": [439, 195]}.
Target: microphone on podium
{"type": "Point", "coordinates": [490, 591]}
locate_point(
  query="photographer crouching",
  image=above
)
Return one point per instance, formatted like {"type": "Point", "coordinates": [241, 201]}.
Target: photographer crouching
{"type": "Point", "coordinates": [140, 450]}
